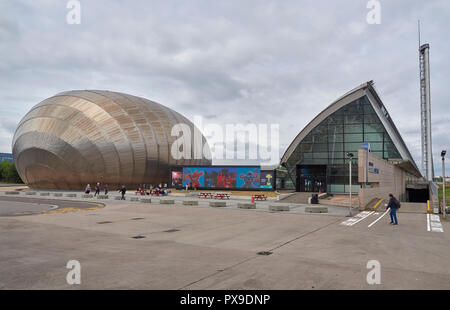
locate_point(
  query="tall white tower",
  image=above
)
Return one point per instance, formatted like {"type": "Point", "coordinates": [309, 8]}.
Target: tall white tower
{"type": "Point", "coordinates": [425, 109]}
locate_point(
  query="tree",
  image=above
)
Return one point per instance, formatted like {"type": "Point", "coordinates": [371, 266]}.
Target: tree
{"type": "Point", "coordinates": [8, 172]}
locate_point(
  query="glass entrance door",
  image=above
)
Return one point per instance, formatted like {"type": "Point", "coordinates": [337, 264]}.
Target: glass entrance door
{"type": "Point", "coordinates": [311, 178]}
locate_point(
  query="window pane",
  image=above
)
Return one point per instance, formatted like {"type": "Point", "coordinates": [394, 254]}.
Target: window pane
{"type": "Point", "coordinates": [320, 130]}
{"type": "Point", "coordinates": [368, 109]}
{"type": "Point", "coordinates": [376, 146]}
{"type": "Point", "coordinates": [306, 147]}
{"type": "Point", "coordinates": [320, 155]}
{"type": "Point", "coordinates": [352, 147]}
{"type": "Point", "coordinates": [355, 108]}
{"type": "Point", "coordinates": [317, 161]}
{"type": "Point", "coordinates": [320, 138]}
{"type": "Point", "coordinates": [336, 155]}
{"type": "Point", "coordinates": [353, 118]}
{"type": "Point", "coordinates": [336, 161]}
{"type": "Point", "coordinates": [335, 138]}
{"type": "Point", "coordinates": [335, 147]}
{"type": "Point", "coordinates": [379, 154]}
{"type": "Point", "coordinates": [308, 138]}
{"type": "Point", "coordinates": [374, 127]}
{"type": "Point", "coordinates": [308, 155]}
{"type": "Point", "coordinates": [354, 137]}
{"type": "Point", "coordinates": [336, 188]}
{"type": "Point", "coordinates": [334, 128]}
{"type": "Point", "coordinates": [371, 118]}
{"type": "Point", "coordinates": [320, 147]}
{"type": "Point", "coordinates": [373, 137]}
{"type": "Point", "coordinates": [336, 118]}
{"type": "Point", "coordinates": [355, 128]}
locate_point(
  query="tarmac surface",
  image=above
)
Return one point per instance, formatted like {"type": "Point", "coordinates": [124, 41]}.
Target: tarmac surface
{"type": "Point", "coordinates": [10, 206]}
{"type": "Point", "coordinates": [201, 247]}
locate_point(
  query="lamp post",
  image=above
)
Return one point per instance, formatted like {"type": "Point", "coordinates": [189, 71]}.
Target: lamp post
{"type": "Point", "coordinates": [443, 182]}
{"type": "Point", "coordinates": [350, 156]}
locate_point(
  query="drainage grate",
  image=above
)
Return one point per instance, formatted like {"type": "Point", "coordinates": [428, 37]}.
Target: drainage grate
{"type": "Point", "coordinates": [137, 218]}
{"type": "Point", "coordinates": [138, 237]}
{"type": "Point", "coordinates": [105, 222]}
{"type": "Point", "coordinates": [264, 253]}
{"type": "Point", "coordinates": [171, 230]}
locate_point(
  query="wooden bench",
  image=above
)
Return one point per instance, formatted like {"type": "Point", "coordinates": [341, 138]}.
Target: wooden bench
{"type": "Point", "coordinates": [260, 197]}
{"type": "Point", "coordinates": [221, 196]}
{"type": "Point", "coordinates": [205, 195]}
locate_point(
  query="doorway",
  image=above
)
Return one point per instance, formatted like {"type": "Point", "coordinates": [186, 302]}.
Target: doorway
{"type": "Point", "coordinates": [311, 178]}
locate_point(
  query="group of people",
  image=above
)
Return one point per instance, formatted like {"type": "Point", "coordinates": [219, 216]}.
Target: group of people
{"type": "Point", "coordinates": [87, 190]}
{"type": "Point", "coordinates": [97, 189]}
{"type": "Point", "coordinates": [393, 204]}
{"type": "Point", "coordinates": [157, 190]}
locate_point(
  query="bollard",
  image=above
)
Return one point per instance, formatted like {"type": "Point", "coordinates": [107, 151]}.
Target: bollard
{"type": "Point", "coordinates": [12, 193]}
{"type": "Point", "coordinates": [246, 205]}
{"type": "Point", "coordinates": [190, 202]}
{"type": "Point", "coordinates": [217, 204]}
{"type": "Point", "coordinates": [278, 208]}
{"type": "Point", "coordinates": [167, 201]}
{"type": "Point", "coordinates": [316, 209]}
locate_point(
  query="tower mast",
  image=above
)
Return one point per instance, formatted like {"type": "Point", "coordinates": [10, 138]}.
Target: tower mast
{"type": "Point", "coordinates": [425, 110]}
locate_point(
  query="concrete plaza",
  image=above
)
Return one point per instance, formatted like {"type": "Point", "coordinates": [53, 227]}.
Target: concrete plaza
{"type": "Point", "coordinates": [201, 247]}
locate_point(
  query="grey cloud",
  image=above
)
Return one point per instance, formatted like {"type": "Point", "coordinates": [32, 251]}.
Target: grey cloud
{"type": "Point", "coordinates": [259, 61]}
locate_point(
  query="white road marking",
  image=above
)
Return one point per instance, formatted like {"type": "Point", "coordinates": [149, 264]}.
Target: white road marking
{"type": "Point", "coordinates": [373, 223]}
{"type": "Point", "coordinates": [435, 223]}
{"type": "Point", "coordinates": [357, 218]}
{"type": "Point", "coordinates": [428, 222]}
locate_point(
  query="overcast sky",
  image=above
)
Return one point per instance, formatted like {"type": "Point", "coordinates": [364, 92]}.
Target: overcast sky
{"type": "Point", "coordinates": [230, 61]}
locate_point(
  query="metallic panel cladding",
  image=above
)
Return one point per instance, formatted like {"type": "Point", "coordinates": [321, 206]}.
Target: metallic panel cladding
{"type": "Point", "coordinates": [88, 136]}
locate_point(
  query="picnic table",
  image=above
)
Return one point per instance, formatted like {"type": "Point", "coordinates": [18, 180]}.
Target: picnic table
{"type": "Point", "coordinates": [222, 196]}
{"type": "Point", "coordinates": [260, 197]}
{"type": "Point", "coordinates": [205, 195]}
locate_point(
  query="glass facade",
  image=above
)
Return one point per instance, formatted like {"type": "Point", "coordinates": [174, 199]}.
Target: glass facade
{"type": "Point", "coordinates": [328, 143]}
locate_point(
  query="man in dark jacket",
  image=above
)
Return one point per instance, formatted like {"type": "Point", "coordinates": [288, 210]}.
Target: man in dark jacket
{"type": "Point", "coordinates": [393, 205]}
{"type": "Point", "coordinates": [123, 190]}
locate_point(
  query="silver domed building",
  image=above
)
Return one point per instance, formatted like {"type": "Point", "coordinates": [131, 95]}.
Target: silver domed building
{"type": "Point", "coordinates": [89, 136]}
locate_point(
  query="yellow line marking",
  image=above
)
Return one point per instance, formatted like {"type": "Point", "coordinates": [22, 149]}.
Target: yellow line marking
{"type": "Point", "coordinates": [375, 207]}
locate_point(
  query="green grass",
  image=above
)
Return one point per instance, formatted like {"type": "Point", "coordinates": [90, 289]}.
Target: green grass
{"type": "Point", "coordinates": [447, 193]}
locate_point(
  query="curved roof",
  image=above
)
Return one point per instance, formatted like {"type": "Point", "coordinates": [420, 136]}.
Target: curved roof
{"type": "Point", "coordinates": [366, 89]}
{"type": "Point", "coordinates": [85, 136]}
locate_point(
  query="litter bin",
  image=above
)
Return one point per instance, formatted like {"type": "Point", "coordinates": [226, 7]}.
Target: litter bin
{"type": "Point", "coordinates": [315, 199]}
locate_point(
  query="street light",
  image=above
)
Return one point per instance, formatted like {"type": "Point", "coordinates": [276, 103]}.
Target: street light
{"type": "Point", "coordinates": [443, 182]}
{"type": "Point", "coordinates": [350, 156]}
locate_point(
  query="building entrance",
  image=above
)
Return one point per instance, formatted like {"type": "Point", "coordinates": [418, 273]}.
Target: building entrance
{"type": "Point", "coordinates": [311, 178]}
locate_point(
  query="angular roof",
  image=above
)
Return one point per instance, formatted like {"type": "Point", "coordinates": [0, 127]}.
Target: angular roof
{"type": "Point", "coordinates": [366, 89]}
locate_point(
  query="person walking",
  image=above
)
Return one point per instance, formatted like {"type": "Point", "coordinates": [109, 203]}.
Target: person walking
{"type": "Point", "coordinates": [393, 205]}
{"type": "Point", "coordinates": [106, 189]}
{"type": "Point", "coordinates": [97, 189]}
{"type": "Point", "coordinates": [123, 190]}
{"type": "Point", "coordinates": [88, 189]}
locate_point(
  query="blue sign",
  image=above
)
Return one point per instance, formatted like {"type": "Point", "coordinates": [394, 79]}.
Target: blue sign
{"type": "Point", "coordinates": [366, 146]}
